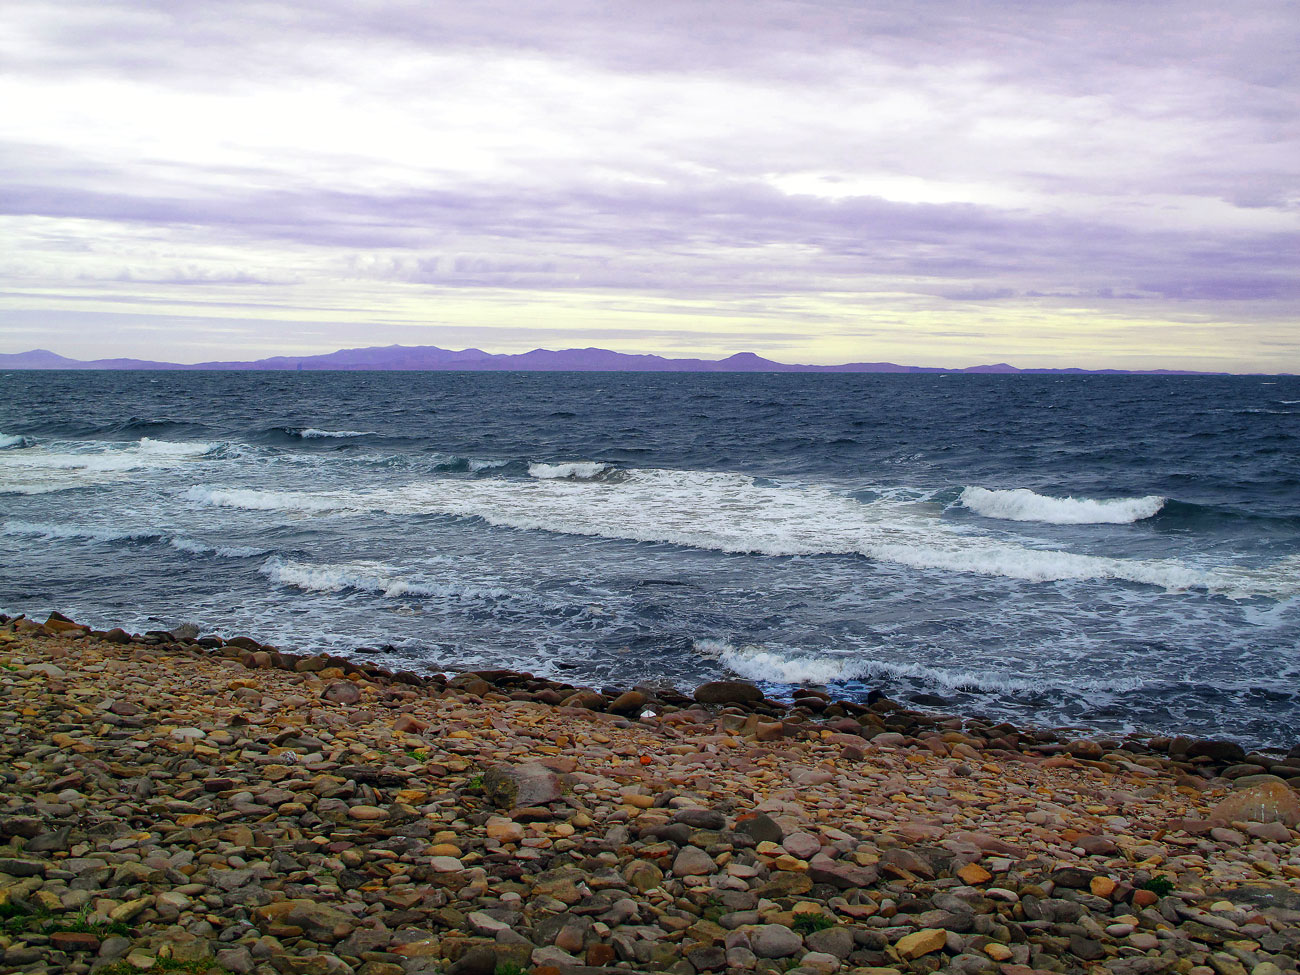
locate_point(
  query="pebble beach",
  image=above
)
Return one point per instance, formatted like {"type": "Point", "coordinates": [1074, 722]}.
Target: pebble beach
{"type": "Point", "coordinates": [177, 802]}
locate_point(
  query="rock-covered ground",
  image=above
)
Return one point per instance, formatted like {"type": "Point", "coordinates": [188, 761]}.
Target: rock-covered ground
{"type": "Point", "coordinates": [172, 804]}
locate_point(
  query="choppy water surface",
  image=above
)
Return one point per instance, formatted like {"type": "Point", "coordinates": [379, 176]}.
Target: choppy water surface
{"type": "Point", "coordinates": [1104, 552]}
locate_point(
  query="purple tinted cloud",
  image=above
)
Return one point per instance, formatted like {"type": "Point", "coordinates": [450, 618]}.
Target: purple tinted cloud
{"type": "Point", "coordinates": [971, 152]}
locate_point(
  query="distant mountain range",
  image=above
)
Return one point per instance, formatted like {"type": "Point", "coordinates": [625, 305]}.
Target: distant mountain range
{"type": "Point", "coordinates": [430, 357]}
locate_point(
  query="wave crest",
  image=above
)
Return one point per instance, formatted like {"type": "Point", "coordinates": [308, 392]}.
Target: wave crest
{"type": "Point", "coordinates": [579, 470]}
{"type": "Point", "coordinates": [1021, 504]}
{"type": "Point", "coordinates": [311, 433]}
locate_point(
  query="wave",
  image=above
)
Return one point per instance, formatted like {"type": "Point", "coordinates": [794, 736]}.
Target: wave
{"type": "Point", "coordinates": [767, 665]}
{"type": "Point", "coordinates": [251, 499]}
{"type": "Point", "coordinates": [733, 513]}
{"type": "Point", "coordinates": [62, 466]}
{"type": "Point", "coordinates": [7, 441]}
{"type": "Point", "coordinates": [225, 551]}
{"type": "Point", "coordinates": [1021, 504]}
{"type": "Point", "coordinates": [366, 576]}
{"type": "Point", "coordinates": [93, 533]}
{"type": "Point", "coordinates": [581, 470]}
{"type": "Point", "coordinates": [311, 433]}
{"type": "Point", "coordinates": [759, 664]}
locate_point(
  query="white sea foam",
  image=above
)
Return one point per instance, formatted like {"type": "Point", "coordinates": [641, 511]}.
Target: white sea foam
{"type": "Point", "coordinates": [761, 664]}
{"type": "Point", "coordinates": [94, 533]}
{"type": "Point", "coordinates": [251, 499]}
{"type": "Point", "coordinates": [311, 433]}
{"type": "Point", "coordinates": [225, 551]}
{"type": "Point", "coordinates": [485, 465]}
{"type": "Point", "coordinates": [1022, 504]}
{"type": "Point", "coordinates": [581, 470]}
{"type": "Point", "coordinates": [734, 513]}
{"type": "Point", "coordinates": [368, 576]}
{"type": "Point", "coordinates": [60, 466]}
{"type": "Point", "coordinates": [767, 664]}
{"type": "Point", "coordinates": [7, 441]}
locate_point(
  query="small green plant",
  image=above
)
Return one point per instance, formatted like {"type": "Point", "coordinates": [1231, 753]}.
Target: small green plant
{"type": "Point", "coordinates": [808, 923]}
{"type": "Point", "coordinates": [475, 783]}
{"type": "Point", "coordinates": [15, 917]}
{"type": "Point", "coordinates": [712, 908]}
{"type": "Point", "coordinates": [81, 922]}
{"type": "Point", "coordinates": [419, 754]}
{"type": "Point", "coordinates": [1160, 886]}
{"type": "Point", "coordinates": [507, 968]}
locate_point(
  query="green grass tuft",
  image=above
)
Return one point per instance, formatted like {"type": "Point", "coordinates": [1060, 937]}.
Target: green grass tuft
{"type": "Point", "coordinates": [1160, 886]}
{"type": "Point", "coordinates": [808, 923]}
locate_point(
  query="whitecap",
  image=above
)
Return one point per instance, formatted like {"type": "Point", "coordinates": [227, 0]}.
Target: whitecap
{"type": "Point", "coordinates": [581, 470]}
{"type": "Point", "coordinates": [93, 533]}
{"type": "Point", "coordinates": [734, 513]}
{"type": "Point", "coordinates": [251, 499]}
{"type": "Point", "coordinates": [194, 547]}
{"type": "Point", "coordinates": [74, 464]}
{"type": "Point", "coordinates": [311, 433]}
{"type": "Point", "coordinates": [1021, 504]}
{"type": "Point", "coordinates": [367, 576]}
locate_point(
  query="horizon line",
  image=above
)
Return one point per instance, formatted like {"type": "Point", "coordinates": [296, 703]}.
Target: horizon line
{"type": "Point", "coordinates": [473, 359]}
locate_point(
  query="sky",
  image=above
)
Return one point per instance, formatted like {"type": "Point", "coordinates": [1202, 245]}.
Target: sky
{"type": "Point", "coordinates": [955, 182]}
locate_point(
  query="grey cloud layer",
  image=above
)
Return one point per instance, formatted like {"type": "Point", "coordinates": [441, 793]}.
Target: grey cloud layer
{"type": "Point", "coordinates": [1131, 151]}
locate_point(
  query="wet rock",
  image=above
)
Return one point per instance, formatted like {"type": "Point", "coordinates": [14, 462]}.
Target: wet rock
{"type": "Point", "coordinates": [728, 692]}
{"type": "Point", "coordinates": [1217, 751]}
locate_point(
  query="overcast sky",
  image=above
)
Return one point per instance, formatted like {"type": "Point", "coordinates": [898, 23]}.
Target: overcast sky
{"type": "Point", "coordinates": [940, 183]}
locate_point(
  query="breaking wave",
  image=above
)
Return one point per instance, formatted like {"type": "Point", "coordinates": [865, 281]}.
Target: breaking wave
{"type": "Point", "coordinates": [582, 470]}
{"type": "Point", "coordinates": [366, 576]}
{"type": "Point", "coordinates": [767, 665]}
{"type": "Point", "coordinates": [225, 551]}
{"type": "Point", "coordinates": [311, 433]}
{"type": "Point", "coordinates": [61, 466]}
{"type": "Point", "coordinates": [735, 513]}
{"type": "Point", "coordinates": [1022, 504]}
{"type": "Point", "coordinates": [91, 533]}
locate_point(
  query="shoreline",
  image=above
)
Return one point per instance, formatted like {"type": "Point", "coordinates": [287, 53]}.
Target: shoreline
{"type": "Point", "coordinates": [218, 804]}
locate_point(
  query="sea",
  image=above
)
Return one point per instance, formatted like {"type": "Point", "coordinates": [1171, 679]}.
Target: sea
{"type": "Point", "coordinates": [1115, 554]}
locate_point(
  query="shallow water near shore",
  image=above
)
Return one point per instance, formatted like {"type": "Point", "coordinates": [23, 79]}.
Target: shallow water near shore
{"type": "Point", "coordinates": [1112, 553]}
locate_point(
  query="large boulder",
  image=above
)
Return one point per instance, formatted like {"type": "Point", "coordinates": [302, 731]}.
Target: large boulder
{"type": "Point", "coordinates": [511, 786]}
{"type": "Point", "coordinates": [728, 692]}
{"type": "Point", "coordinates": [1216, 751]}
{"type": "Point", "coordinates": [1271, 802]}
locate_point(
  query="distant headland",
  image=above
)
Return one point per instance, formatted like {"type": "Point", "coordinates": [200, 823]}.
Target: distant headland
{"type": "Point", "coordinates": [415, 358]}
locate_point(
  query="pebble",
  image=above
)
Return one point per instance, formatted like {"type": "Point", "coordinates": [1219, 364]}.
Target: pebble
{"type": "Point", "coordinates": [284, 815]}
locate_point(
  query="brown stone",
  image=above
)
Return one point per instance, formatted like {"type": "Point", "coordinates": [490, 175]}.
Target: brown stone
{"type": "Point", "coordinates": [74, 941]}
{"type": "Point", "coordinates": [728, 692]}
{"type": "Point", "coordinates": [973, 873]}
{"type": "Point", "coordinates": [918, 943]}
{"type": "Point", "coordinates": [1271, 802]}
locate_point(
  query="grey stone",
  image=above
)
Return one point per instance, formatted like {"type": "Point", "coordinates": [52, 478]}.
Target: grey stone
{"type": "Point", "coordinates": [691, 861]}
{"type": "Point", "coordinates": [511, 786]}
{"type": "Point", "coordinates": [774, 941]}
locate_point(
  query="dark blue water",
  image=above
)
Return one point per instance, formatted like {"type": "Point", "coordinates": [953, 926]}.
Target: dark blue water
{"type": "Point", "coordinates": [1103, 552]}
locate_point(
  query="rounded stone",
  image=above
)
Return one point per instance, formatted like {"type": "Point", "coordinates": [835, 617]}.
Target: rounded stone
{"type": "Point", "coordinates": [774, 941]}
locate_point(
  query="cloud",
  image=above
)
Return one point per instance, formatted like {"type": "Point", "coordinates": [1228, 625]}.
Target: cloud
{"type": "Point", "coordinates": [790, 155]}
